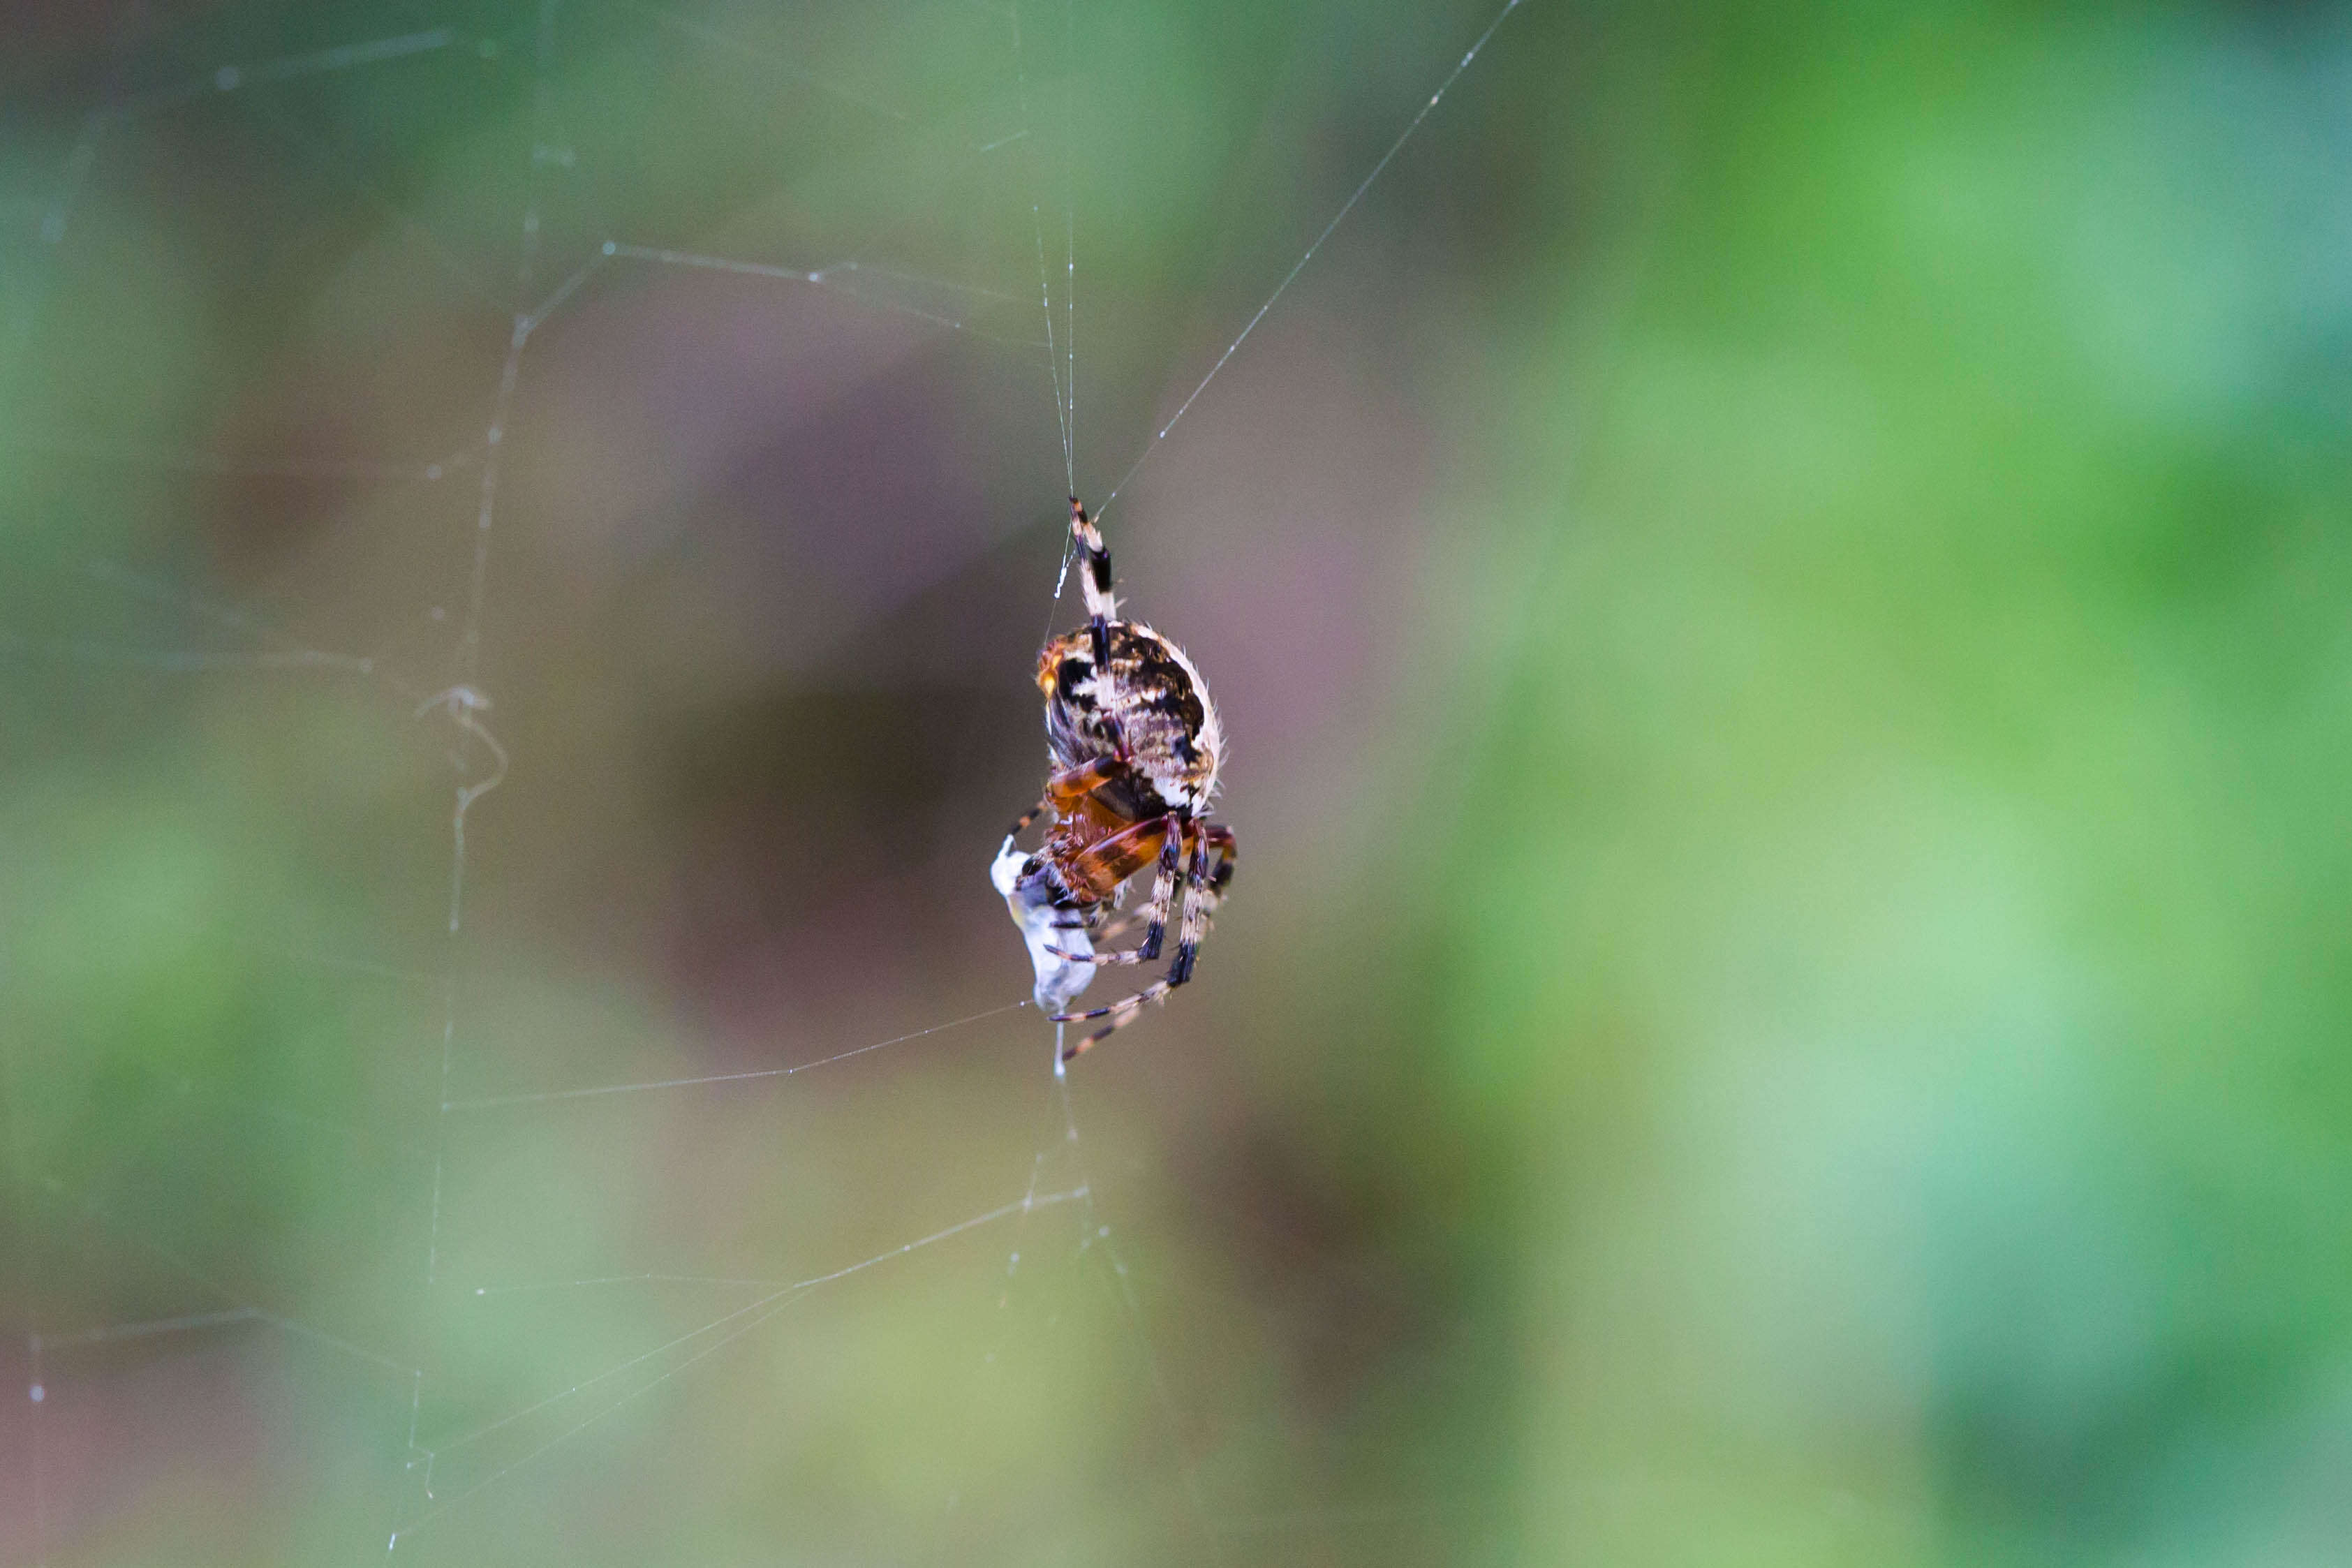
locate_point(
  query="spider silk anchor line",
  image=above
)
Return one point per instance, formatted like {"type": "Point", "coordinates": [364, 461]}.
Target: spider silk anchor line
{"type": "Point", "coordinates": [1299, 266]}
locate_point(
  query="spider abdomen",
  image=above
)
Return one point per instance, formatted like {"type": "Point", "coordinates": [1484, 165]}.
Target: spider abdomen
{"type": "Point", "coordinates": [1147, 707]}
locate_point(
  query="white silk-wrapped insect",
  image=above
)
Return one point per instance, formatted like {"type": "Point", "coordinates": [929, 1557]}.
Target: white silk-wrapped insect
{"type": "Point", "coordinates": [1061, 976]}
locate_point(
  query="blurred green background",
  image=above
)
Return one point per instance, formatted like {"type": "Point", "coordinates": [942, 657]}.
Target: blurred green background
{"type": "Point", "coordinates": [1780, 591]}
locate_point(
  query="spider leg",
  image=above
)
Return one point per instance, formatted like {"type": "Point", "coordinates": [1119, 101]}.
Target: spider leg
{"type": "Point", "coordinates": [1187, 946]}
{"type": "Point", "coordinates": [1163, 894]}
{"type": "Point", "coordinates": [1066, 789]}
{"type": "Point", "coordinates": [1120, 927]}
{"type": "Point", "coordinates": [1101, 606]}
{"type": "Point", "coordinates": [1221, 839]}
{"type": "Point", "coordinates": [1105, 864]}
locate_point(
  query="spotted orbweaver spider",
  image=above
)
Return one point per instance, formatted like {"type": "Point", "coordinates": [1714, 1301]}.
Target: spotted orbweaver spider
{"type": "Point", "coordinates": [1134, 745]}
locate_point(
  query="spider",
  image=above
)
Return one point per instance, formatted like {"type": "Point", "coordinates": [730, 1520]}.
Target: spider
{"type": "Point", "coordinates": [1134, 746]}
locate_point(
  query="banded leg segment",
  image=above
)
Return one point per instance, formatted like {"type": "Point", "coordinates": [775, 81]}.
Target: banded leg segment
{"type": "Point", "coordinates": [1229, 854]}
{"type": "Point", "coordinates": [1187, 946]}
{"type": "Point", "coordinates": [1105, 865]}
{"type": "Point", "coordinates": [1163, 897]}
{"type": "Point", "coordinates": [1102, 607]}
{"type": "Point", "coordinates": [1196, 914]}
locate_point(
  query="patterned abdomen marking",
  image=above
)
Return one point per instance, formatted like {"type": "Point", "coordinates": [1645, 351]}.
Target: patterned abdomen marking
{"type": "Point", "coordinates": [1147, 710]}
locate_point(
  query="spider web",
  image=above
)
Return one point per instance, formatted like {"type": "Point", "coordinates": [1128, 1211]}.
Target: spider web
{"type": "Point", "coordinates": [398, 1226]}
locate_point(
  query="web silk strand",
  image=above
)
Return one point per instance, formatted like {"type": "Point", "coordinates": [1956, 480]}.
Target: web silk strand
{"type": "Point", "coordinates": [462, 699]}
{"type": "Point", "coordinates": [1300, 265]}
{"type": "Point", "coordinates": [1061, 408]}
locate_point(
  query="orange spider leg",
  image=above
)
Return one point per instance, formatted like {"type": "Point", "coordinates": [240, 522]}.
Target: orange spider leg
{"type": "Point", "coordinates": [1064, 790]}
{"type": "Point", "coordinates": [1163, 897]}
{"type": "Point", "coordinates": [1103, 865]}
{"type": "Point", "coordinates": [1220, 838]}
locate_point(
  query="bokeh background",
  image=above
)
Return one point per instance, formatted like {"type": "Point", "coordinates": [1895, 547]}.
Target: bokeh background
{"type": "Point", "coordinates": [1780, 587]}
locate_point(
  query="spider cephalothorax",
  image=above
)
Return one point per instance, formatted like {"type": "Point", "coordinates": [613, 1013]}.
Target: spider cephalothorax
{"type": "Point", "coordinates": [1134, 745]}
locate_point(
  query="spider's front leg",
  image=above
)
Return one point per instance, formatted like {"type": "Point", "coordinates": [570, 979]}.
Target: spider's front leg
{"type": "Point", "coordinates": [1102, 606]}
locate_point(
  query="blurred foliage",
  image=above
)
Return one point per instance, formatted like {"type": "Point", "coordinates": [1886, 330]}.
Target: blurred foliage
{"type": "Point", "coordinates": [1896, 909]}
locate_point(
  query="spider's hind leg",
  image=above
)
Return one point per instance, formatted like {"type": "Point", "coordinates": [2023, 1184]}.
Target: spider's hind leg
{"type": "Point", "coordinates": [1125, 1011]}
{"type": "Point", "coordinates": [1221, 839]}
{"type": "Point", "coordinates": [1163, 897]}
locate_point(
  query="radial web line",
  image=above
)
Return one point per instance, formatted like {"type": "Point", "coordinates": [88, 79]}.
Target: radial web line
{"type": "Point", "coordinates": [185, 1324]}
{"type": "Point", "coordinates": [461, 700]}
{"type": "Point", "coordinates": [769, 57]}
{"type": "Point", "coordinates": [491, 1101]}
{"type": "Point", "coordinates": [537, 316]}
{"type": "Point", "coordinates": [1300, 265]}
{"type": "Point", "coordinates": [1069, 241]}
{"type": "Point", "coordinates": [178, 1264]}
{"type": "Point", "coordinates": [725, 1279]}
{"type": "Point", "coordinates": [281, 1115]}
{"type": "Point", "coordinates": [903, 276]}
{"type": "Point", "coordinates": [1032, 1199]}
{"type": "Point", "coordinates": [215, 464]}
{"type": "Point", "coordinates": [821, 278]}
{"type": "Point", "coordinates": [1012, 1257]}
{"type": "Point", "coordinates": [229, 78]}
{"type": "Point", "coordinates": [1097, 1232]}
{"type": "Point", "coordinates": [1063, 411]}
{"type": "Point", "coordinates": [760, 1311]}
{"type": "Point", "coordinates": [324, 159]}
{"type": "Point", "coordinates": [174, 661]}
{"type": "Point", "coordinates": [279, 651]}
